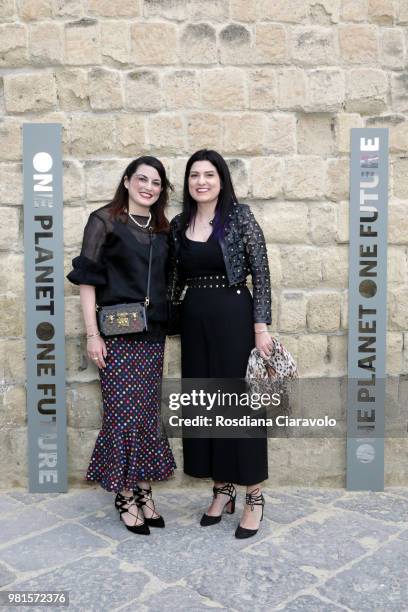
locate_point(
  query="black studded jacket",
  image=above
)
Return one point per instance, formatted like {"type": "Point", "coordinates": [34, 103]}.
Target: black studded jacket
{"type": "Point", "coordinates": [244, 252]}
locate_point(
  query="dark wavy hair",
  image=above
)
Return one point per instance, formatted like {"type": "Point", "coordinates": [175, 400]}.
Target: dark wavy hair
{"type": "Point", "coordinates": [226, 196]}
{"type": "Point", "coordinates": [119, 203]}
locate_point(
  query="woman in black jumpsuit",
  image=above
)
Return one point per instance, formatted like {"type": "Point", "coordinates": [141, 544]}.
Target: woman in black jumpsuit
{"type": "Point", "coordinates": [214, 244]}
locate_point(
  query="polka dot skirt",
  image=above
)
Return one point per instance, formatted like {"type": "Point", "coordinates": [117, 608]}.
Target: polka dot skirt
{"type": "Point", "coordinates": [130, 446]}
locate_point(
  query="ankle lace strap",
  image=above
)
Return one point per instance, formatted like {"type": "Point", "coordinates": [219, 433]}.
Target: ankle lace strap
{"type": "Point", "coordinates": [253, 499]}
{"type": "Point", "coordinates": [227, 489]}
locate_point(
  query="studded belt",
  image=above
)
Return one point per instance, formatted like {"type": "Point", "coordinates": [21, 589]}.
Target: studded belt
{"type": "Point", "coordinates": [211, 281]}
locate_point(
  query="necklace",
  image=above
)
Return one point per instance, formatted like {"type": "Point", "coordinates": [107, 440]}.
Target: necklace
{"type": "Point", "coordinates": [141, 224]}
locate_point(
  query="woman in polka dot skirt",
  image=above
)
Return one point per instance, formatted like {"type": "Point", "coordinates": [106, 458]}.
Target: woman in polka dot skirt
{"type": "Point", "coordinates": [112, 268]}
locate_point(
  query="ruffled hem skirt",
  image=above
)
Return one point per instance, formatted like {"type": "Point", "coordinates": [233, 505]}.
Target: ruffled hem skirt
{"type": "Point", "coordinates": [130, 446]}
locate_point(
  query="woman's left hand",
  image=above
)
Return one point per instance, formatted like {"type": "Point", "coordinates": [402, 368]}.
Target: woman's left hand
{"type": "Point", "coordinates": [264, 344]}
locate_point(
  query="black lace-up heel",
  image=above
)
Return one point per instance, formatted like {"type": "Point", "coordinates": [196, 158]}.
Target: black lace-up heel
{"type": "Point", "coordinates": [251, 499]}
{"type": "Point", "coordinates": [143, 497]}
{"type": "Point", "coordinates": [229, 507]}
{"type": "Point", "coordinates": [122, 505]}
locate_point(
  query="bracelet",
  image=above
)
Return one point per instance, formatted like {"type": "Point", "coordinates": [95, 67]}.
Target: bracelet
{"type": "Point", "coordinates": [264, 331]}
{"type": "Point", "coordinates": [93, 335]}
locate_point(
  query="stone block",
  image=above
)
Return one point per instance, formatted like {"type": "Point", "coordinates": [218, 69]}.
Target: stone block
{"type": "Point", "coordinates": [381, 11]}
{"type": "Point", "coordinates": [323, 223]}
{"type": "Point", "coordinates": [305, 178]}
{"type": "Point", "coordinates": [312, 354]}
{"type": "Point", "coordinates": [335, 266]}
{"type": "Point", "coordinates": [397, 222]}
{"type": "Point", "coordinates": [292, 311]}
{"type": "Point", "coordinates": [9, 228]}
{"type": "Point", "coordinates": [13, 367]}
{"type": "Point", "coordinates": [204, 130]}
{"type": "Point", "coordinates": [338, 182]}
{"type": "Point", "coordinates": [235, 45]}
{"type": "Point", "coordinates": [82, 42]}
{"type": "Point", "coordinates": [11, 175]}
{"type": "Point", "coordinates": [266, 177]}
{"type": "Point", "coordinates": [354, 10]}
{"type": "Point", "coordinates": [393, 48]}
{"type": "Point", "coordinates": [153, 43]}
{"type": "Point", "coordinates": [75, 219]}
{"type": "Point", "coordinates": [14, 444]}
{"type": "Point", "coordinates": [105, 89]}
{"type": "Point", "coordinates": [84, 405]}
{"type": "Point", "coordinates": [262, 89]}
{"type": "Point", "coordinates": [281, 134]}
{"type": "Point", "coordinates": [402, 16]}
{"type": "Point", "coordinates": [12, 274]}
{"type": "Point", "coordinates": [275, 268]}
{"type": "Point", "coordinates": [239, 175]}
{"type": "Point", "coordinates": [143, 90]}
{"type": "Point", "coordinates": [115, 41]}
{"type": "Point", "coordinates": [176, 169]}
{"type": "Point", "coordinates": [92, 135]}
{"type": "Point", "coordinates": [271, 45]}
{"type": "Point", "coordinates": [285, 222]}
{"type": "Point", "coordinates": [221, 89]}
{"type": "Point", "coordinates": [74, 325]}
{"type": "Point", "coordinates": [7, 9]}
{"type": "Point", "coordinates": [175, 10]}
{"type": "Point", "coordinates": [324, 12]}
{"type": "Point", "coordinates": [243, 10]}
{"type": "Point", "coordinates": [10, 139]}
{"type": "Point", "coordinates": [102, 178]}
{"type": "Point", "coordinates": [291, 11]}
{"type": "Point", "coordinates": [358, 43]}
{"type": "Point", "coordinates": [173, 358]}
{"type": "Point", "coordinates": [398, 133]}
{"type": "Point", "coordinates": [367, 90]}
{"type": "Point", "coordinates": [73, 181]}
{"type": "Point", "coordinates": [315, 134]}
{"type": "Point", "coordinates": [12, 319]}
{"type": "Point", "coordinates": [13, 408]}
{"type": "Point", "coordinates": [301, 266]}
{"type": "Point", "coordinates": [46, 43]}
{"type": "Point", "coordinates": [131, 139]}
{"type": "Point", "coordinates": [33, 10]}
{"type": "Point", "coordinates": [73, 89]}
{"type": "Point", "coordinates": [395, 353]}
{"type": "Point", "coordinates": [291, 88]}
{"type": "Point", "coordinates": [313, 45]}
{"type": "Point", "coordinates": [166, 133]}
{"type": "Point", "coordinates": [13, 45]}
{"type": "Point", "coordinates": [181, 89]}
{"type": "Point", "coordinates": [344, 122]}
{"type": "Point", "coordinates": [211, 10]}
{"type": "Point", "coordinates": [114, 8]}
{"type": "Point", "coordinates": [326, 90]}
{"type": "Point", "coordinates": [323, 312]}
{"type": "Point", "coordinates": [68, 8]}
{"type": "Point", "coordinates": [244, 133]}
{"type": "Point", "coordinates": [344, 310]}
{"type": "Point", "coordinates": [30, 92]}
{"type": "Point", "coordinates": [342, 234]}
{"type": "Point", "coordinates": [399, 92]}
{"type": "Point", "coordinates": [398, 308]}
{"type": "Point", "coordinates": [401, 178]}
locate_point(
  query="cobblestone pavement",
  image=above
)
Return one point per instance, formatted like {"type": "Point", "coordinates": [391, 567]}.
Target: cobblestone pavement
{"type": "Point", "coordinates": [317, 549]}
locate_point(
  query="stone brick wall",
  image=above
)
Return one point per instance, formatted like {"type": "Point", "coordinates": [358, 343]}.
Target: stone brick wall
{"type": "Point", "coordinates": [275, 85]}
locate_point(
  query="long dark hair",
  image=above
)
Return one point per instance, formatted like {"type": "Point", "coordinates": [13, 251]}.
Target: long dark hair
{"type": "Point", "coordinates": [119, 203]}
{"type": "Point", "coordinates": [226, 196]}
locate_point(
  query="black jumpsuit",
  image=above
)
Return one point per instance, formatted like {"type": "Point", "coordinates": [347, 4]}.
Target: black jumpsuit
{"type": "Point", "coordinates": [217, 336]}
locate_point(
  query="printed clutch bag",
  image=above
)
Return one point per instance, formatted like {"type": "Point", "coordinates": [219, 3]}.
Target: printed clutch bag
{"type": "Point", "coordinates": [122, 319]}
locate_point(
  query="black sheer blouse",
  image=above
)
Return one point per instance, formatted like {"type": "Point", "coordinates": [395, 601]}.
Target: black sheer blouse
{"type": "Point", "coordinates": [115, 259]}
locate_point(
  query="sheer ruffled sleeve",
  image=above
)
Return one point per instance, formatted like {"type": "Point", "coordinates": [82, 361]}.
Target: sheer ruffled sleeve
{"type": "Point", "coordinates": [88, 267]}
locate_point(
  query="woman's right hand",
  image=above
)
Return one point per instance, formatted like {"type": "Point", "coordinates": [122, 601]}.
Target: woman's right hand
{"type": "Point", "coordinates": [96, 350]}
